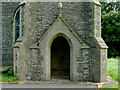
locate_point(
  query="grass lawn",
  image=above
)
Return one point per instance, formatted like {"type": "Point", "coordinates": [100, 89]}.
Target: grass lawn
{"type": "Point", "coordinates": [112, 69]}
{"type": "Point", "coordinates": [116, 86]}
{"type": "Point", "coordinates": [110, 88]}
{"type": "Point", "coordinates": [6, 78]}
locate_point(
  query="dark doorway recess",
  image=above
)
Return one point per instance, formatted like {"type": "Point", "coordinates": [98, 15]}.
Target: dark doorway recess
{"type": "Point", "coordinates": [60, 58]}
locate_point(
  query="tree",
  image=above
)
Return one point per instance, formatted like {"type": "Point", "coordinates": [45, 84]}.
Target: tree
{"type": "Point", "coordinates": [108, 6]}
{"type": "Point", "coordinates": [111, 32]}
{"type": "Point", "coordinates": [111, 26]}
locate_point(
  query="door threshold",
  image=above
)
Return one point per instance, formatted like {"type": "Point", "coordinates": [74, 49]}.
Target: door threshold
{"type": "Point", "coordinates": [60, 78]}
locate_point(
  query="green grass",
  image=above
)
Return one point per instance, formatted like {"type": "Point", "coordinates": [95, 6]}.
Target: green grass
{"type": "Point", "coordinates": [6, 78]}
{"type": "Point", "coordinates": [112, 67]}
{"type": "Point", "coordinates": [110, 88]}
{"type": "Point", "coordinates": [116, 86]}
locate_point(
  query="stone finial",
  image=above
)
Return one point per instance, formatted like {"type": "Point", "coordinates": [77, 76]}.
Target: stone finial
{"type": "Point", "coordinates": [60, 7]}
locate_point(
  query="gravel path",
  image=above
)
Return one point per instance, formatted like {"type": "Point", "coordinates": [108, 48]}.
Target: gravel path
{"type": "Point", "coordinates": [111, 82]}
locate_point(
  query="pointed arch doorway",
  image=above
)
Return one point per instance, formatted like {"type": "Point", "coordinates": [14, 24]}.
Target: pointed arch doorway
{"type": "Point", "coordinates": [60, 58]}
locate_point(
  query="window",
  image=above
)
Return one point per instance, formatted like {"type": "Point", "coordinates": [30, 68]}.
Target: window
{"type": "Point", "coordinates": [17, 25]}
{"type": "Point", "coordinates": [16, 69]}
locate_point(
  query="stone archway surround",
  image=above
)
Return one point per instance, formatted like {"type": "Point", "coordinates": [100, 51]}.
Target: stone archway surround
{"type": "Point", "coordinates": [60, 57]}
{"type": "Point", "coordinates": [59, 28]}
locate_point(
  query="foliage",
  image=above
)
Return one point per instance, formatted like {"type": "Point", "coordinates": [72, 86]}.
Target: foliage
{"type": "Point", "coordinates": [109, 6]}
{"type": "Point", "coordinates": [8, 71]}
{"type": "Point", "coordinates": [111, 26]}
{"type": "Point", "coordinates": [111, 32]}
{"type": "Point", "coordinates": [116, 86]}
{"type": "Point", "coordinates": [112, 68]}
{"type": "Point", "coordinates": [7, 78]}
{"type": "Point", "coordinates": [7, 75]}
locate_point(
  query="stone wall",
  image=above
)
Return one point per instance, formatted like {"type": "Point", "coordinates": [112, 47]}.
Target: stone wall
{"type": "Point", "coordinates": [44, 15]}
{"type": "Point", "coordinates": [8, 9]}
{"type": "Point", "coordinates": [80, 16]}
{"type": "Point", "coordinates": [35, 65]}
{"type": "Point", "coordinates": [0, 33]}
{"type": "Point", "coordinates": [83, 62]}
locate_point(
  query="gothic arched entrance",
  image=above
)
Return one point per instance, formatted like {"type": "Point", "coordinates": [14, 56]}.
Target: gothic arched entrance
{"type": "Point", "coordinates": [60, 58]}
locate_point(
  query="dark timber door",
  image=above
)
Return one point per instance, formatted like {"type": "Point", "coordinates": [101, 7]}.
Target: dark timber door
{"type": "Point", "coordinates": [60, 58]}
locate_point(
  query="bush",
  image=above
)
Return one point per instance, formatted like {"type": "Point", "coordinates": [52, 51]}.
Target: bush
{"type": "Point", "coordinates": [111, 32]}
{"type": "Point", "coordinates": [8, 71]}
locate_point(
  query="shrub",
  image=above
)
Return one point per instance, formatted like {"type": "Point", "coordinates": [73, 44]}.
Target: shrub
{"type": "Point", "coordinates": [8, 71]}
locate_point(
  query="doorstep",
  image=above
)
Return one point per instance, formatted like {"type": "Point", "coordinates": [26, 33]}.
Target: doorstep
{"type": "Point", "coordinates": [109, 82]}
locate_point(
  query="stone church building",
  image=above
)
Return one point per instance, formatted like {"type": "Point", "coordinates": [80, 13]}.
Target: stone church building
{"type": "Point", "coordinates": [55, 40]}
